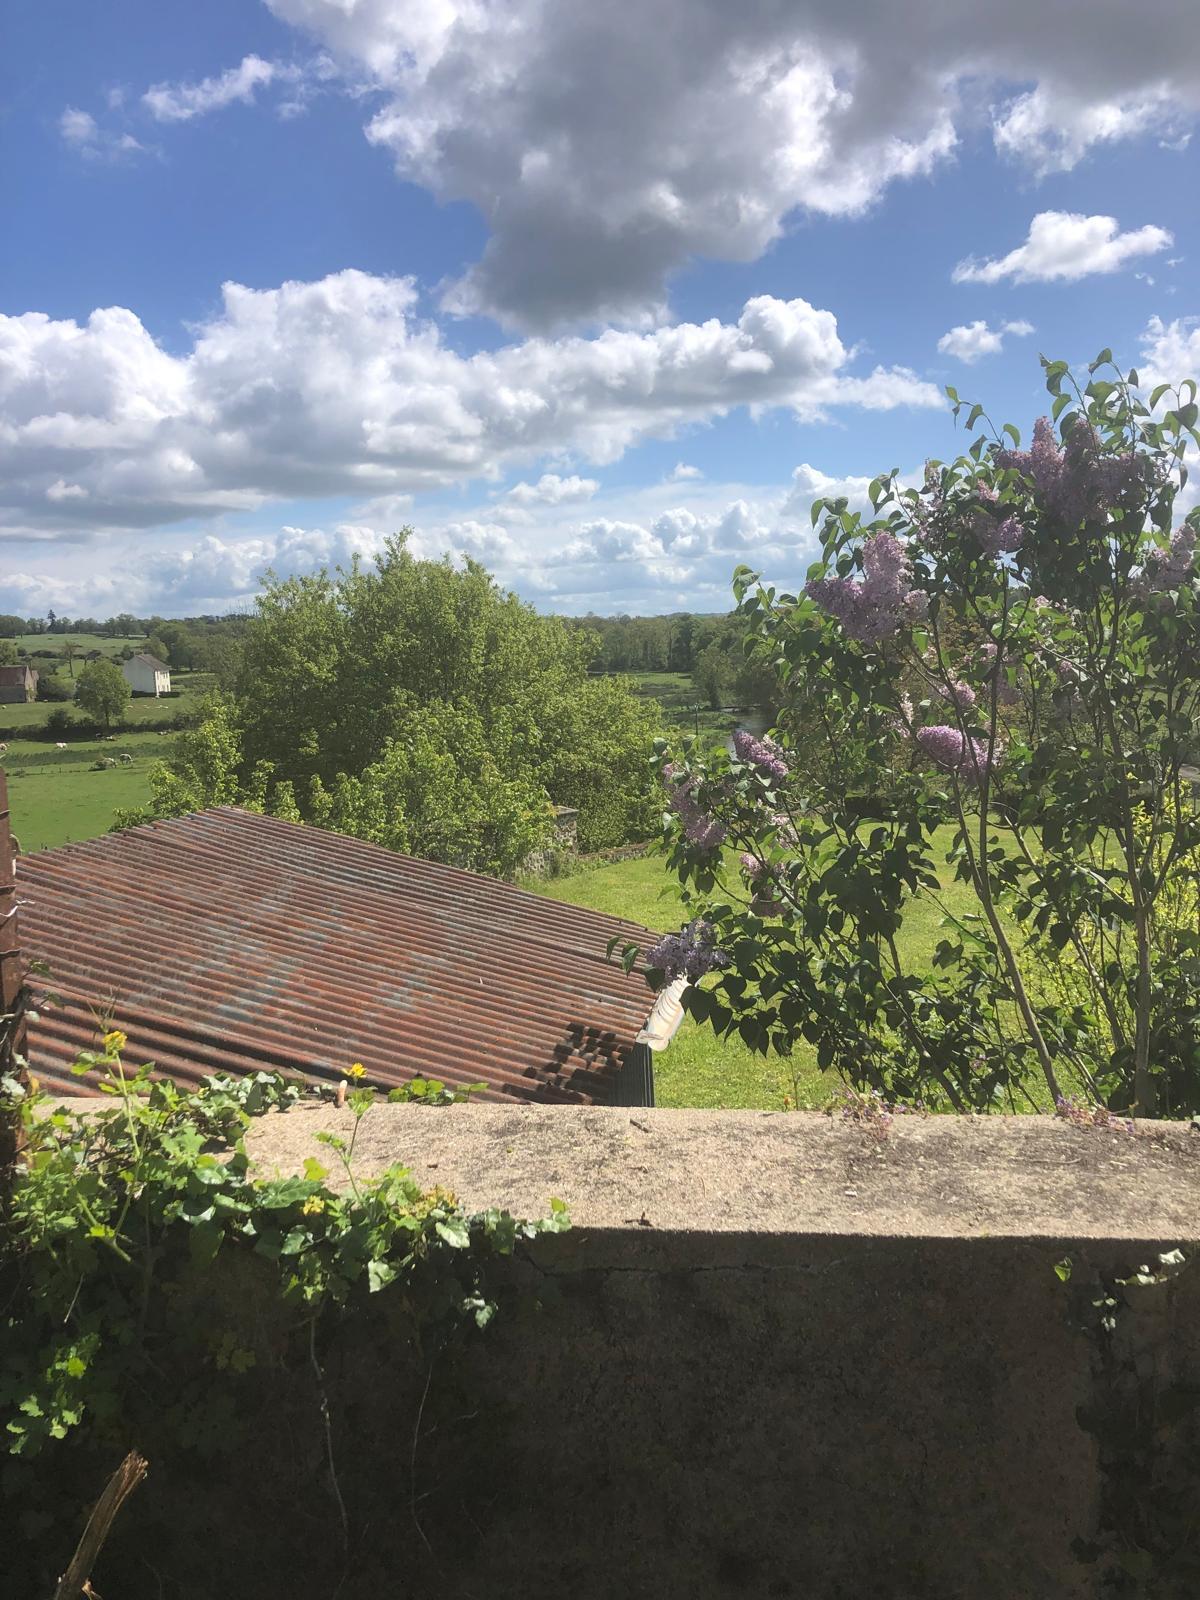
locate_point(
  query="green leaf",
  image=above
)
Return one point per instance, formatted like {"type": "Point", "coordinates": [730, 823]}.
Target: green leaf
{"type": "Point", "coordinates": [380, 1274]}
{"type": "Point", "coordinates": [454, 1232]}
{"type": "Point", "coordinates": [1063, 1269]}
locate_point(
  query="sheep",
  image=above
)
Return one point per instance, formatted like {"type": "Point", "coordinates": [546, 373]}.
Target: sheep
{"type": "Point", "coordinates": [125, 758]}
{"type": "Point", "coordinates": [3, 749]}
{"type": "Point", "coordinates": [60, 744]}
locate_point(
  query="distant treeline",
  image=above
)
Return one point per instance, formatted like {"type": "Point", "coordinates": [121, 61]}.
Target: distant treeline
{"type": "Point", "coordinates": [709, 648]}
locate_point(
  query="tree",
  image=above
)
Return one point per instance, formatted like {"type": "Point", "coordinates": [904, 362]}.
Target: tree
{"type": "Point", "coordinates": [1011, 651]}
{"type": "Point", "coordinates": [711, 674]}
{"type": "Point", "coordinates": [11, 627]}
{"type": "Point", "coordinates": [69, 652]}
{"type": "Point", "coordinates": [336, 667]}
{"type": "Point", "coordinates": [101, 690]}
{"type": "Point", "coordinates": [8, 653]}
{"type": "Point", "coordinates": [158, 648]}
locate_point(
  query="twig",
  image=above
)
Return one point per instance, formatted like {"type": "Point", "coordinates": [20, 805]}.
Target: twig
{"type": "Point", "coordinates": [75, 1580]}
{"type": "Point", "coordinates": [324, 1399]}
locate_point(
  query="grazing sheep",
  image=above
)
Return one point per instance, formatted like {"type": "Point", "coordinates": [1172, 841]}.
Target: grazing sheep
{"type": "Point", "coordinates": [60, 744]}
{"type": "Point", "coordinates": [125, 758]}
{"type": "Point", "coordinates": [3, 749]}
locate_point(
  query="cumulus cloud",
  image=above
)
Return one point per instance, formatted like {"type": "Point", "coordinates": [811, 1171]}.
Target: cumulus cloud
{"type": "Point", "coordinates": [1045, 134]}
{"type": "Point", "coordinates": [681, 472]}
{"type": "Point", "coordinates": [180, 102]}
{"type": "Point", "coordinates": [1063, 246]}
{"type": "Point", "coordinates": [1170, 351]}
{"type": "Point", "coordinates": [81, 132]}
{"type": "Point", "coordinates": [551, 490]}
{"type": "Point", "coordinates": [605, 154]}
{"type": "Point", "coordinates": [338, 387]}
{"type": "Point", "coordinates": [971, 340]}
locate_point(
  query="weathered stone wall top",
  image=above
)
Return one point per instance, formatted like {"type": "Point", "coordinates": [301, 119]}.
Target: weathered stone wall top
{"type": "Point", "coordinates": [778, 1173]}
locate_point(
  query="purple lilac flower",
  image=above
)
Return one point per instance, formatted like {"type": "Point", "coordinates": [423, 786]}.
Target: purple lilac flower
{"type": "Point", "coordinates": [1081, 1115]}
{"type": "Point", "coordinates": [995, 533]}
{"type": "Point", "coordinates": [1075, 481]}
{"type": "Point", "coordinates": [951, 750]}
{"type": "Point", "coordinates": [699, 828]}
{"type": "Point", "coordinates": [764, 754]}
{"type": "Point", "coordinates": [871, 608]}
{"type": "Point", "coordinates": [690, 953]}
{"type": "Point", "coordinates": [1168, 569]}
{"type": "Point", "coordinates": [751, 865]}
{"type": "Point", "coordinates": [960, 694]}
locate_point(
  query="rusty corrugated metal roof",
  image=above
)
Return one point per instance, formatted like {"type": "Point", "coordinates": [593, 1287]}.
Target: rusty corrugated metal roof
{"type": "Point", "coordinates": [226, 941]}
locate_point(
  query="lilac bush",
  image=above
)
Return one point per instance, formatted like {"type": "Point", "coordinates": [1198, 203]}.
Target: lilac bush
{"type": "Point", "coordinates": [1010, 647]}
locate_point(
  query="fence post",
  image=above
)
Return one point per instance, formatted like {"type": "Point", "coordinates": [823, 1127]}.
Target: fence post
{"type": "Point", "coordinates": [12, 980]}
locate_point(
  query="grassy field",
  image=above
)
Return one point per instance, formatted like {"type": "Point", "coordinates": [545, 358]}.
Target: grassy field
{"type": "Point", "coordinates": [681, 704]}
{"type": "Point", "coordinates": [85, 642]}
{"type": "Point", "coordinates": [698, 1069]}
{"type": "Point", "coordinates": [55, 796]}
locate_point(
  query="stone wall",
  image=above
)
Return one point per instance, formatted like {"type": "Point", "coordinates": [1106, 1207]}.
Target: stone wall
{"type": "Point", "coordinates": [778, 1355]}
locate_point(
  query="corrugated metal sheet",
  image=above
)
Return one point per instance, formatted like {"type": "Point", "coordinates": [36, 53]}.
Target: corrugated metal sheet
{"type": "Point", "coordinates": [225, 942]}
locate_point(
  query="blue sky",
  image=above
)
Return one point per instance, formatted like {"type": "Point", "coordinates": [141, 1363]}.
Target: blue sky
{"type": "Point", "coordinates": [600, 294]}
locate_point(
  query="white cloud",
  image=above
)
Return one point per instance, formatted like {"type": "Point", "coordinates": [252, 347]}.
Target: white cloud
{"type": "Point", "coordinates": [180, 102]}
{"type": "Point", "coordinates": [605, 153]}
{"type": "Point", "coordinates": [681, 472]}
{"type": "Point", "coordinates": [809, 484]}
{"type": "Point", "coordinates": [61, 490]}
{"type": "Point", "coordinates": [971, 340]}
{"type": "Point", "coordinates": [551, 490]}
{"type": "Point", "coordinates": [1046, 134]}
{"type": "Point", "coordinates": [1170, 351]}
{"type": "Point", "coordinates": [1063, 246]}
{"type": "Point", "coordinates": [82, 133]}
{"type": "Point", "coordinates": [337, 387]}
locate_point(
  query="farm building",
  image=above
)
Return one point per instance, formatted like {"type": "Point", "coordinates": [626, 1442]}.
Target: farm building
{"type": "Point", "coordinates": [283, 947]}
{"type": "Point", "coordinates": [147, 675]}
{"type": "Point", "coordinates": [18, 686]}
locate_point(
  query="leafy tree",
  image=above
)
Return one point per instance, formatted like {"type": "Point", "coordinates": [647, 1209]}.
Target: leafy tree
{"type": "Point", "coordinates": [336, 668]}
{"type": "Point", "coordinates": [101, 690]}
{"type": "Point", "coordinates": [1012, 649]}
{"type": "Point", "coordinates": [158, 648]}
{"type": "Point", "coordinates": [69, 652]}
{"type": "Point", "coordinates": [11, 627]}
{"type": "Point", "coordinates": [8, 653]}
{"type": "Point", "coordinates": [711, 675]}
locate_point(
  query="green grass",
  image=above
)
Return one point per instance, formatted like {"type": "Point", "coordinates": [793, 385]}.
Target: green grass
{"type": "Point", "coordinates": [85, 641]}
{"type": "Point", "coordinates": [698, 1068]}
{"type": "Point", "coordinates": [681, 703]}
{"type": "Point", "coordinates": [56, 798]}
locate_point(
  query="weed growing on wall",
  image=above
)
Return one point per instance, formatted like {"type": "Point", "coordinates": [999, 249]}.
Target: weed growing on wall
{"type": "Point", "coordinates": [121, 1224]}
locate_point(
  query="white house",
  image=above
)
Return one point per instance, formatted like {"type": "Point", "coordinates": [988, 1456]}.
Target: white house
{"type": "Point", "coordinates": [147, 675]}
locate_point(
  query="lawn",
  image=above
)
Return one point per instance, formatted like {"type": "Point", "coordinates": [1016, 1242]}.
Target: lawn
{"type": "Point", "coordinates": [698, 1069]}
{"type": "Point", "coordinates": [55, 796]}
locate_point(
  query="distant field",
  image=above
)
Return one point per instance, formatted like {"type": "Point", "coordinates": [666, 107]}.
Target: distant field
{"type": "Point", "coordinates": [141, 709]}
{"type": "Point", "coordinates": [681, 704]}
{"type": "Point", "coordinates": [84, 641]}
{"type": "Point", "coordinates": [57, 799]}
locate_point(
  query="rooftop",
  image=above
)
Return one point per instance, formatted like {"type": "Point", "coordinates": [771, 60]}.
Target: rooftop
{"type": "Point", "coordinates": [225, 941]}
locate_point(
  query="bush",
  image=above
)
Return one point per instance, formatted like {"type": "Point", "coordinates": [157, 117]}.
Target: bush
{"type": "Point", "coordinates": [54, 688]}
{"type": "Point", "coordinates": [1012, 649]}
{"type": "Point", "coordinates": [61, 721]}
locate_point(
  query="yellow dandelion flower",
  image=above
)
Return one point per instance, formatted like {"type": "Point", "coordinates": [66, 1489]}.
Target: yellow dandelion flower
{"type": "Point", "coordinates": [312, 1205]}
{"type": "Point", "coordinates": [355, 1071]}
{"type": "Point", "coordinates": [114, 1042]}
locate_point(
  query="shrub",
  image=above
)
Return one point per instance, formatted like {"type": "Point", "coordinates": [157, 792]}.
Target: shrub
{"type": "Point", "coordinates": [1012, 648]}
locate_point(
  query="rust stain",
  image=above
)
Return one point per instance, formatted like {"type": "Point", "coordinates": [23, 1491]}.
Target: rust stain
{"type": "Point", "coordinates": [227, 942]}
